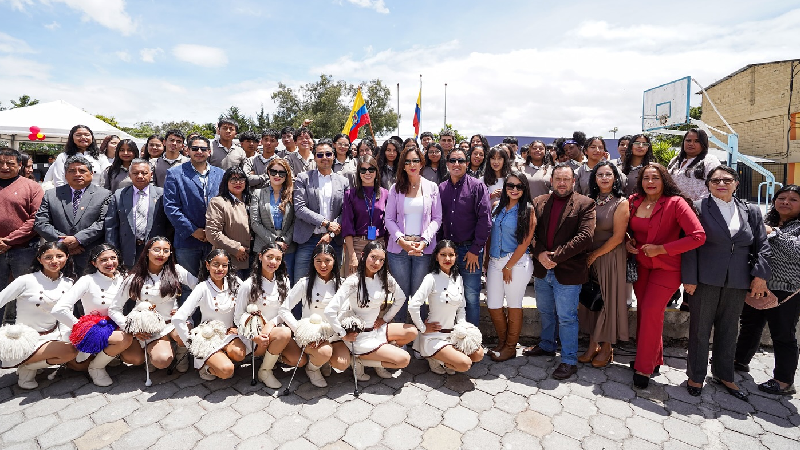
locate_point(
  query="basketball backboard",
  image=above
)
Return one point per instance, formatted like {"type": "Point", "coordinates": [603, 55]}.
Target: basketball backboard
{"type": "Point", "coordinates": [666, 105]}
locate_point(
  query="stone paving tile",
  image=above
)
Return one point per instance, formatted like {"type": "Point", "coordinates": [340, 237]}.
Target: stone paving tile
{"type": "Point", "coordinates": [572, 426]}
{"type": "Point", "coordinates": [402, 437]}
{"type": "Point", "coordinates": [327, 431]}
{"type": "Point", "coordinates": [424, 417]}
{"type": "Point", "coordinates": [354, 411]}
{"type": "Point", "coordinates": [149, 413]}
{"type": "Point", "coordinates": [442, 398]}
{"type": "Point", "coordinates": [460, 419]}
{"type": "Point", "coordinates": [647, 430]}
{"type": "Point", "coordinates": [217, 421]}
{"type": "Point", "coordinates": [298, 444]}
{"type": "Point", "coordinates": [597, 442]}
{"type": "Point", "coordinates": [363, 434]}
{"type": "Point", "coordinates": [289, 428]}
{"type": "Point", "coordinates": [139, 438]}
{"type": "Point", "coordinates": [477, 401]}
{"type": "Point", "coordinates": [181, 417]}
{"type": "Point", "coordinates": [609, 427]}
{"type": "Point", "coordinates": [579, 406]}
{"type": "Point", "coordinates": [441, 438]}
{"type": "Point", "coordinates": [545, 404]}
{"type": "Point", "coordinates": [534, 423]}
{"type": "Point", "coordinates": [9, 421]}
{"type": "Point", "coordinates": [685, 432]}
{"type": "Point", "coordinates": [389, 413]}
{"type": "Point", "coordinates": [253, 424]}
{"type": "Point", "coordinates": [517, 440]}
{"type": "Point", "coordinates": [613, 407]}
{"type": "Point", "coordinates": [56, 403]}
{"type": "Point", "coordinates": [496, 421]}
{"type": "Point", "coordinates": [65, 432]}
{"type": "Point", "coordinates": [183, 438]}
{"type": "Point", "coordinates": [479, 439]}
{"type": "Point", "coordinates": [29, 429]}
{"type": "Point", "coordinates": [638, 444]}
{"type": "Point", "coordinates": [218, 441]}
{"type": "Point", "coordinates": [102, 436]}
{"type": "Point", "coordinates": [774, 442]}
{"type": "Point", "coordinates": [510, 402]}
{"type": "Point", "coordinates": [558, 441]}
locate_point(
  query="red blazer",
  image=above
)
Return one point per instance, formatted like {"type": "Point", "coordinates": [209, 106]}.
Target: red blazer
{"type": "Point", "coordinates": [671, 215]}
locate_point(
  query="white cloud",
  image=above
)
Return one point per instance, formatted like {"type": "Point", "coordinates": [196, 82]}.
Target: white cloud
{"type": "Point", "coordinates": [53, 26]}
{"type": "Point", "coordinates": [124, 55]}
{"type": "Point", "coordinates": [18, 4]}
{"type": "Point", "coordinates": [377, 5]}
{"type": "Point", "coordinates": [201, 55]}
{"type": "Point", "coordinates": [10, 44]}
{"type": "Point", "coordinates": [108, 13]}
{"type": "Point", "coordinates": [148, 55]}
{"type": "Point", "coordinates": [18, 71]}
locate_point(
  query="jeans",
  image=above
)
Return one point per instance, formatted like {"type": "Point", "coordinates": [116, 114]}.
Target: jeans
{"type": "Point", "coordinates": [472, 284]}
{"type": "Point", "coordinates": [14, 263]}
{"type": "Point", "coordinates": [408, 271]}
{"type": "Point", "coordinates": [302, 257]}
{"type": "Point", "coordinates": [558, 302]}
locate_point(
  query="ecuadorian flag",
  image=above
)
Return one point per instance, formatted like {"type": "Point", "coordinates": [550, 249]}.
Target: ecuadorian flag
{"type": "Point", "coordinates": [358, 117]}
{"type": "Point", "coordinates": [418, 114]}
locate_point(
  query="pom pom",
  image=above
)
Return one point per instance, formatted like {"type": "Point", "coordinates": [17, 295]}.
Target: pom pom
{"type": "Point", "coordinates": [312, 330]}
{"type": "Point", "coordinates": [85, 323]}
{"type": "Point", "coordinates": [466, 338]}
{"type": "Point", "coordinates": [251, 322]}
{"type": "Point", "coordinates": [351, 322]}
{"type": "Point", "coordinates": [17, 342]}
{"type": "Point", "coordinates": [252, 308]}
{"type": "Point", "coordinates": [96, 339]}
{"type": "Point", "coordinates": [144, 319]}
{"type": "Point", "coordinates": [207, 338]}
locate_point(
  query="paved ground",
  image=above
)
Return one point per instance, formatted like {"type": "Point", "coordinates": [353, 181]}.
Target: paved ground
{"type": "Point", "coordinates": [496, 405]}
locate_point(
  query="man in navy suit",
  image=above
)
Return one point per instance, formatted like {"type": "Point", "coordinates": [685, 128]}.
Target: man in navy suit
{"type": "Point", "coordinates": [187, 190]}
{"type": "Point", "coordinates": [136, 213]}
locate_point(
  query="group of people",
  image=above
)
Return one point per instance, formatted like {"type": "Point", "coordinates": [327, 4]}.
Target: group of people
{"type": "Point", "coordinates": [259, 248]}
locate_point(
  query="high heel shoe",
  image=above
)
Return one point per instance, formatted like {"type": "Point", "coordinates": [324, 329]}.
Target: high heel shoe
{"type": "Point", "coordinates": [736, 393]}
{"type": "Point", "coordinates": [589, 355]}
{"type": "Point", "coordinates": [598, 363]}
{"type": "Point", "coordinates": [640, 381]}
{"type": "Point", "coordinates": [694, 391]}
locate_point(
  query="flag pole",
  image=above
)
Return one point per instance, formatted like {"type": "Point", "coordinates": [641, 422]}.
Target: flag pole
{"type": "Point", "coordinates": [369, 123]}
{"type": "Point", "coordinates": [398, 109]}
{"type": "Point", "coordinates": [420, 93]}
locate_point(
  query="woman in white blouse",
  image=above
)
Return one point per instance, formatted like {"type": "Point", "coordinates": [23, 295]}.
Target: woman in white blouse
{"type": "Point", "coordinates": [155, 278]}
{"type": "Point", "coordinates": [315, 292]}
{"type": "Point", "coordinates": [215, 295]}
{"type": "Point", "coordinates": [690, 168]}
{"type": "Point", "coordinates": [95, 291]}
{"type": "Point", "coordinates": [36, 293]}
{"type": "Point", "coordinates": [366, 293]}
{"type": "Point", "coordinates": [443, 290]}
{"type": "Point", "coordinates": [267, 288]}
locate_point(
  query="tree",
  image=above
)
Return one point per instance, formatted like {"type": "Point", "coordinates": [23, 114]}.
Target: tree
{"type": "Point", "coordinates": [459, 137]}
{"type": "Point", "coordinates": [108, 119]}
{"type": "Point", "coordinates": [327, 102]}
{"type": "Point", "coordinates": [244, 122]}
{"type": "Point", "coordinates": [664, 152]}
{"type": "Point", "coordinates": [675, 141]}
{"type": "Point", "coordinates": [24, 100]}
{"type": "Point", "coordinates": [262, 120]}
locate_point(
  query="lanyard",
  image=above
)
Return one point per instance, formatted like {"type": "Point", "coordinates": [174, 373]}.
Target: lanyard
{"type": "Point", "coordinates": [370, 207]}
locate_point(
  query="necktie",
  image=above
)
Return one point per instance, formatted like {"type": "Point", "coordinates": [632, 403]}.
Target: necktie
{"type": "Point", "coordinates": [76, 201]}
{"type": "Point", "coordinates": [141, 216]}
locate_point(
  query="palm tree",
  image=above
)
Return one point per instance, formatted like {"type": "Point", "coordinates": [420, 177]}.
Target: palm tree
{"type": "Point", "coordinates": [24, 100]}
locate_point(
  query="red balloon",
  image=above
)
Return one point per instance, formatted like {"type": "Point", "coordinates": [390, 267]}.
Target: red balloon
{"type": "Point", "coordinates": [32, 137]}
{"type": "Point", "coordinates": [35, 130]}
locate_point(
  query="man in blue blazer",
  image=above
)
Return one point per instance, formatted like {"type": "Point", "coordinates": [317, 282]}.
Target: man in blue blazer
{"type": "Point", "coordinates": [187, 190]}
{"type": "Point", "coordinates": [129, 223]}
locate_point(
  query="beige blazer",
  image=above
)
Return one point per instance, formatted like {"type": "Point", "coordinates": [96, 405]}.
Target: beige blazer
{"type": "Point", "coordinates": [228, 228]}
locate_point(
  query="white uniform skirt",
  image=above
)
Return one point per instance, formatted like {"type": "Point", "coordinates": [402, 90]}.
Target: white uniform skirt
{"type": "Point", "coordinates": [429, 344]}
{"type": "Point", "coordinates": [60, 333]}
{"type": "Point", "coordinates": [168, 327]}
{"type": "Point", "coordinates": [248, 345]}
{"type": "Point", "coordinates": [369, 341]}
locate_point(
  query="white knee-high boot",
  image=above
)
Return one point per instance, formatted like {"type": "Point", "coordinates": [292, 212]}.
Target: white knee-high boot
{"type": "Point", "coordinates": [265, 371]}
{"type": "Point", "coordinates": [378, 365]}
{"type": "Point", "coordinates": [97, 369]}
{"type": "Point", "coordinates": [315, 375]}
{"type": "Point", "coordinates": [27, 374]}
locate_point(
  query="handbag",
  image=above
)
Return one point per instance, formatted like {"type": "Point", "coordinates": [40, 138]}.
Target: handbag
{"type": "Point", "coordinates": [590, 295]}
{"type": "Point", "coordinates": [631, 273]}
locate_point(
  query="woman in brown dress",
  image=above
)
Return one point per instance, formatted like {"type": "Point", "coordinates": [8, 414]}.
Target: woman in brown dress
{"type": "Point", "coordinates": [607, 260]}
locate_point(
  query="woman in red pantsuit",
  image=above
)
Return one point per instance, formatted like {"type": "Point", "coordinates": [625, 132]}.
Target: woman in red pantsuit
{"type": "Point", "coordinates": [659, 212]}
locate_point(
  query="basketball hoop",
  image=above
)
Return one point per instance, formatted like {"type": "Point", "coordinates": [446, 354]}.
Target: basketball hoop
{"type": "Point", "coordinates": [663, 119]}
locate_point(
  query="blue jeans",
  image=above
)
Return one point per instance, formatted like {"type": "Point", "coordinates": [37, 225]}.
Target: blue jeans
{"type": "Point", "coordinates": [302, 257]}
{"type": "Point", "coordinates": [558, 304]}
{"type": "Point", "coordinates": [13, 264]}
{"type": "Point", "coordinates": [408, 271]}
{"type": "Point", "coordinates": [472, 284]}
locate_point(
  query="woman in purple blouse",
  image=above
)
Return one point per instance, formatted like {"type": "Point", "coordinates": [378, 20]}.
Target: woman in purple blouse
{"type": "Point", "coordinates": [363, 211]}
{"type": "Point", "coordinates": [413, 216]}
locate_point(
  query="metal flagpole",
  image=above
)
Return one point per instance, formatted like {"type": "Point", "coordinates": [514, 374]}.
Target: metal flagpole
{"type": "Point", "coordinates": [445, 107]}
{"type": "Point", "coordinates": [398, 109]}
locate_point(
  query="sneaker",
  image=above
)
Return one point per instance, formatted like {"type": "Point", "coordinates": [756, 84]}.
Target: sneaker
{"type": "Point", "coordinates": [206, 375]}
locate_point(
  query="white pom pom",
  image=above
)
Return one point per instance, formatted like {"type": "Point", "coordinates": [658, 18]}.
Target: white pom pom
{"type": "Point", "coordinates": [351, 322]}
{"type": "Point", "coordinates": [309, 331]}
{"type": "Point", "coordinates": [250, 324]}
{"type": "Point", "coordinates": [315, 319]}
{"type": "Point", "coordinates": [207, 338]}
{"type": "Point", "coordinates": [144, 319]}
{"type": "Point", "coordinates": [252, 308]}
{"type": "Point", "coordinates": [466, 338]}
{"type": "Point", "coordinates": [17, 341]}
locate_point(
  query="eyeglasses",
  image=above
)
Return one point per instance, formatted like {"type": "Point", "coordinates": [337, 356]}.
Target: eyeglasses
{"type": "Point", "coordinates": [513, 186]}
{"type": "Point", "coordinates": [434, 152]}
{"type": "Point", "coordinates": [157, 251]}
{"type": "Point", "coordinates": [325, 155]}
{"type": "Point", "coordinates": [278, 173]}
{"type": "Point", "coordinates": [364, 170]}
{"type": "Point", "coordinates": [412, 161]}
{"type": "Point", "coordinates": [640, 144]}
{"type": "Point", "coordinates": [605, 175]}
{"type": "Point", "coordinates": [457, 161]}
{"type": "Point", "coordinates": [726, 181]}
{"type": "Point", "coordinates": [237, 180]}
{"type": "Point", "coordinates": [197, 148]}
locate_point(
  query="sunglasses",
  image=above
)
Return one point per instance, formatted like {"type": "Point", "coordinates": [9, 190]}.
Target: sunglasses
{"type": "Point", "coordinates": [412, 161]}
{"type": "Point", "coordinates": [325, 155]}
{"type": "Point", "coordinates": [364, 170]}
{"type": "Point", "coordinates": [457, 161]}
{"type": "Point", "coordinates": [513, 186]}
{"type": "Point", "coordinates": [196, 148]}
{"type": "Point", "coordinates": [277, 173]}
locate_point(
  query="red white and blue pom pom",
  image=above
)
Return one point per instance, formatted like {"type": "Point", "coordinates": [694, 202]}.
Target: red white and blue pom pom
{"type": "Point", "coordinates": [91, 333]}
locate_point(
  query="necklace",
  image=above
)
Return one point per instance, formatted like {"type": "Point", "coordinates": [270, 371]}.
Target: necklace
{"type": "Point", "coordinates": [602, 201]}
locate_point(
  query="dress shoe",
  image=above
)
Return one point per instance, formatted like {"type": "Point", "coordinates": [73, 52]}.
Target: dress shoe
{"type": "Point", "coordinates": [736, 393]}
{"type": "Point", "coordinates": [589, 355]}
{"type": "Point", "coordinates": [640, 381]}
{"type": "Point", "coordinates": [739, 367]}
{"type": "Point", "coordinates": [564, 371]}
{"type": "Point", "coordinates": [773, 387]}
{"type": "Point", "coordinates": [694, 391]}
{"type": "Point", "coordinates": [600, 363]}
{"type": "Point", "coordinates": [537, 351]}
{"type": "Point", "coordinates": [656, 370]}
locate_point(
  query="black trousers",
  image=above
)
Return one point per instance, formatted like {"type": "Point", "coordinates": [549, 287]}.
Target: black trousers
{"type": "Point", "coordinates": [782, 321]}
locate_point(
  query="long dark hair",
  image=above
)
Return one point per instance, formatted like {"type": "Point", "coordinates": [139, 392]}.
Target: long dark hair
{"type": "Point", "coordinates": [97, 251]}
{"type": "Point", "coordinates": [489, 177]}
{"type": "Point", "coordinates": [670, 188]}
{"type": "Point", "coordinates": [312, 274]}
{"type": "Point", "coordinates": [434, 267]}
{"type": "Point", "coordinates": [697, 163]}
{"type": "Point", "coordinates": [362, 296]}
{"type": "Point", "coordinates": [70, 148]}
{"type": "Point", "coordinates": [524, 205]}
{"type": "Point", "coordinates": [170, 285]}
{"type": "Point", "coordinates": [646, 159]}
{"type": "Point", "coordinates": [546, 161]}
{"type": "Point", "coordinates": [402, 183]}
{"type": "Point", "coordinates": [106, 141]}
{"type": "Point", "coordinates": [589, 142]}
{"type": "Point", "coordinates": [69, 267]}
{"type": "Point", "coordinates": [116, 166]}
{"type": "Point", "coordinates": [773, 218]}
{"type": "Point", "coordinates": [376, 184]}
{"type": "Point", "coordinates": [398, 147]}
{"type": "Point", "coordinates": [230, 276]}
{"type": "Point", "coordinates": [280, 275]}
{"type": "Point", "coordinates": [482, 167]}
{"type": "Point", "coordinates": [441, 170]}
{"type": "Point", "coordinates": [616, 188]}
{"type": "Point", "coordinates": [225, 193]}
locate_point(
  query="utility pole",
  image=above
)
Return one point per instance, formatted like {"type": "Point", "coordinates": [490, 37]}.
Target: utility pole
{"type": "Point", "coordinates": [614, 130]}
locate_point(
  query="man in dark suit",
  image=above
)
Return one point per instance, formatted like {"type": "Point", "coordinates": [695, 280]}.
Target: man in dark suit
{"type": "Point", "coordinates": [136, 213]}
{"type": "Point", "coordinates": [565, 222]}
{"type": "Point", "coordinates": [74, 213]}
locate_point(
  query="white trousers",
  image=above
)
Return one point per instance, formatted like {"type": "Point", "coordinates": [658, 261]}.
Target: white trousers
{"type": "Point", "coordinates": [497, 289]}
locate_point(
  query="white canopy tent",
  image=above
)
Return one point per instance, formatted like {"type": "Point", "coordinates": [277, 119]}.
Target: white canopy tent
{"type": "Point", "coordinates": [55, 119]}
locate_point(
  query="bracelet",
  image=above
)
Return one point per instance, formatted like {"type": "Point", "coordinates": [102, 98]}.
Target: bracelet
{"type": "Point", "coordinates": [506, 268]}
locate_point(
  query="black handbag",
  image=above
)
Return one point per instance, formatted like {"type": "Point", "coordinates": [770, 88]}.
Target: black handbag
{"type": "Point", "coordinates": [590, 295]}
{"type": "Point", "coordinates": [631, 274]}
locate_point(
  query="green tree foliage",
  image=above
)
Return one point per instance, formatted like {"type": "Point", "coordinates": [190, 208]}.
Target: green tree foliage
{"type": "Point", "coordinates": [675, 141]}
{"type": "Point", "coordinates": [108, 119]}
{"type": "Point", "coordinates": [245, 122]}
{"type": "Point", "coordinates": [262, 120]}
{"type": "Point", "coordinates": [23, 101]}
{"type": "Point", "coordinates": [459, 136]}
{"type": "Point", "coordinates": [664, 152]}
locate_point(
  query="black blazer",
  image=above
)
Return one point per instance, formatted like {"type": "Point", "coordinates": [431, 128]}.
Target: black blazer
{"type": "Point", "coordinates": [725, 260]}
{"type": "Point", "coordinates": [120, 221]}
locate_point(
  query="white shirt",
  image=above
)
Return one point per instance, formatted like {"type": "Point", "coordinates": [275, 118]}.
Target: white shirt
{"type": "Point", "coordinates": [346, 298]}
{"type": "Point", "coordinates": [445, 297]}
{"type": "Point", "coordinates": [730, 214]}
{"type": "Point", "coordinates": [269, 303]}
{"type": "Point", "coordinates": [413, 208]}
{"type": "Point", "coordinates": [36, 294]}
{"type": "Point", "coordinates": [325, 193]}
{"type": "Point", "coordinates": [214, 304]}
{"type": "Point", "coordinates": [95, 292]}
{"type": "Point", "coordinates": [321, 295]}
{"type": "Point", "coordinates": [55, 173]}
{"type": "Point", "coordinates": [151, 292]}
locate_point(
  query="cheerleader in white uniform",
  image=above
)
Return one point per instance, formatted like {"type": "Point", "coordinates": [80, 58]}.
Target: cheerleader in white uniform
{"type": "Point", "coordinates": [95, 291]}
{"type": "Point", "coordinates": [267, 288]}
{"type": "Point", "coordinates": [215, 295]}
{"type": "Point", "coordinates": [155, 278]}
{"type": "Point", "coordinates": [365, 293]}
{"type": "Point", "coordinates": [36, 293]}
{"type": "Point", "coordinates": [443, 289]}
{"type": "Point", "coordinates": [316, 291]}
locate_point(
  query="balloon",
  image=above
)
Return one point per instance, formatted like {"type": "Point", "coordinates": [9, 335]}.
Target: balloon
{"type": "Point", "coordinates": [32, 137]}
{"type": "Point", "coordinates": [35, 129]}
{"type": "Point", "coordinates": [40, 135]}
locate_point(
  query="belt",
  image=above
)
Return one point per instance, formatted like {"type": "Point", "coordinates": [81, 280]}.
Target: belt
{"type": "Point", "coordinates": [168, 321]}
{"type": "Point", "coordinates": [42, 333]}
{"type": "Point", "coordinates": [463, 244]}
{"type": "Point", "coordinates": [446, 330]}
{"type": "Point", "coordinates": [367, 330]}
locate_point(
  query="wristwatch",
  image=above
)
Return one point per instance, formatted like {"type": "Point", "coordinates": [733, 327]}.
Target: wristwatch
{"type": "Point", "coordinates": [332, 234]}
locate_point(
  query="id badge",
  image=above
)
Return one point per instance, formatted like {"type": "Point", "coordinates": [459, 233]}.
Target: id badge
{"type": "Point", "coordinates": [371, 232]}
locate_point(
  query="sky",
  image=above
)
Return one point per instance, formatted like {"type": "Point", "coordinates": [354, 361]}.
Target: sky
{"type": "Point", "coordinates": [525, 68]}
